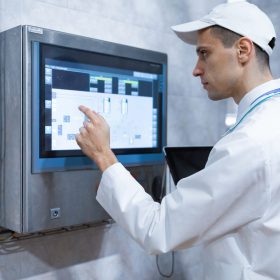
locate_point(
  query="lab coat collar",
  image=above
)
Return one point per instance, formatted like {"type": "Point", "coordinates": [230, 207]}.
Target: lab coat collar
{"type": "Point", "coordinates": [252, 95]}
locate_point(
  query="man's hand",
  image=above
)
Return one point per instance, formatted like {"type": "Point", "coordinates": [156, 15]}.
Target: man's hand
{"type": "Point", "coordinates": [94, 139]}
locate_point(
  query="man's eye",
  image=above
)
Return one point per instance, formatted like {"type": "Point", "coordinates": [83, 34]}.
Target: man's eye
{"type": "Point", "coordinates": [203, 53]}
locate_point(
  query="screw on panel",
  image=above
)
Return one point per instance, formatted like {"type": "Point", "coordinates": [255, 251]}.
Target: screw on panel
{"type": "Point", "coordinates": [55, 213]}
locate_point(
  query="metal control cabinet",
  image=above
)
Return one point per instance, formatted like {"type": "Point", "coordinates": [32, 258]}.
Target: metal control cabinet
{"type": "Point", "coordinates": [31, 202]}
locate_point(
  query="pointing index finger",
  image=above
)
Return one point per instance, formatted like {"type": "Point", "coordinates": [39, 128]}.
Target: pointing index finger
{"type": "Point", "coordinates": [88, 112]}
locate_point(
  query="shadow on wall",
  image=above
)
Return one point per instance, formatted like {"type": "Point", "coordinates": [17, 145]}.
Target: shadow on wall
{"type": "Point", "coordinates": [44, 254]}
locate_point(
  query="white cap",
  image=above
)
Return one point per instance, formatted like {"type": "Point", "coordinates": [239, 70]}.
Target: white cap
{"type": "Point", "coordinates": [240, 17]}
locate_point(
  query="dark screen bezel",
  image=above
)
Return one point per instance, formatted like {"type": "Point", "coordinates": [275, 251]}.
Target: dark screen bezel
{"type": "Point", "coordinates": [52, 51]}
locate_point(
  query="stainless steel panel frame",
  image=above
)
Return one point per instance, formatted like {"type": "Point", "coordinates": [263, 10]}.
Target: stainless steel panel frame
{"type": "Point", "coordinates": [26, 199]}
{"type": "Point", "coordinates": [11, 129]}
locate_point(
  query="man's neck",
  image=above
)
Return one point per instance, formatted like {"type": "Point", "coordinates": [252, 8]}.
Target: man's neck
{"type": "Point", "coordinates": [252, 82]}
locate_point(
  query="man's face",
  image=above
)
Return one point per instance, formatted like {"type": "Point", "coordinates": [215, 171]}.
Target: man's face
{"type": "Point", "coordinates": [217, 66]}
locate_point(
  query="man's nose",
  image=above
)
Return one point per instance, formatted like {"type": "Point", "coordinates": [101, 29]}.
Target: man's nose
{"type": "Point", "coordinates": [197, 71]}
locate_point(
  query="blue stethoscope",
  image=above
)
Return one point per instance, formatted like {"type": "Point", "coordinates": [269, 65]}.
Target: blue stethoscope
{"type": "Point", "coordinates": [264, 97]}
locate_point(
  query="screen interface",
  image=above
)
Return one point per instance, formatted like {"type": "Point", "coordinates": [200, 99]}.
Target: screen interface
{"type": "Point", "coordinates": [126, 92]}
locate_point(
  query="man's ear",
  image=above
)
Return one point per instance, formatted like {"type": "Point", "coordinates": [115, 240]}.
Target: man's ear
{"type": "Point", "coordinates": [245, 49]}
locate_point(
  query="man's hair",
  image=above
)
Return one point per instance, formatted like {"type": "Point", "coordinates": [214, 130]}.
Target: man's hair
{"type": "Point", "coordinates": [228, 38]}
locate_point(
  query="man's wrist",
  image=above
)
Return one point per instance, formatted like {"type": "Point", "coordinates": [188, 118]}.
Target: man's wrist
{"type": "Point", "coordinates": [105, 160]}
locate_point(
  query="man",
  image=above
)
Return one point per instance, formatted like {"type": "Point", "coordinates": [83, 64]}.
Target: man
{"type": "Point", "coordinates": [232, 207]}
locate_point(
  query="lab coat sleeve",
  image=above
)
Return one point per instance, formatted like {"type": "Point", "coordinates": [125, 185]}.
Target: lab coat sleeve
{"type": "Point", "coordinates": [230, 192]}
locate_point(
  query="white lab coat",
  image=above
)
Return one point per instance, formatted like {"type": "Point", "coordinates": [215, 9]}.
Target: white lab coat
{"type": "Point", "coordinates": [228, 214]}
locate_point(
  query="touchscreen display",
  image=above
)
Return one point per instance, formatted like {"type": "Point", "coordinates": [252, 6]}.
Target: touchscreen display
{"type": "Point", "coordinates": [126, 92]}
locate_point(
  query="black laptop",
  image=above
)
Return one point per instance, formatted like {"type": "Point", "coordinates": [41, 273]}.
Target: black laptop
{"type": "Point", "coordinates": [185, 161]}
